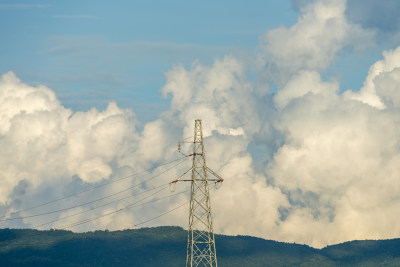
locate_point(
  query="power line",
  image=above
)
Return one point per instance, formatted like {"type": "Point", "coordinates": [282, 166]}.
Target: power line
{"type": "Point", "coordinates": [135, 204]}
{"type": "Point", "coordinates": [93, 201]}
{"type": "Point", "coordinates": [132, 206]}
{"type": "Point", "coordinates": [171, 210]}
{"type": "Point", "coordinates": [100, 206]}
{"type": "Point", "coordinates": [77, 238]}
{"type": "Point", "coordinates": [95, 187]}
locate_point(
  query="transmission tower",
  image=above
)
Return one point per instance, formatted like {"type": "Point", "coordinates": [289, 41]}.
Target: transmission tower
{"type": "Point", "coordinates": [201, 242]}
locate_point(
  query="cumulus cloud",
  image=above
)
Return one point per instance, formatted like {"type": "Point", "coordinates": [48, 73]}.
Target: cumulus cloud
{"type": "Point", "coordinates": [337, 166]}
{"type": "Point", "coordinates": [312, 43]}
{"type": "Point", "coordinates": [224, 98]}
{"type": "Point", "coordinates": [380, 84]}
{"type": "Point", "coordinates": [222, 95]}
{"type": "Point", "coordinates": [377, 15]}
{"type": "Point", "coordinates": [331, 173]}
{"type": "Point", "coordinates": [36, 128]}
{"type": "Point", "coordinates": [45, 145]}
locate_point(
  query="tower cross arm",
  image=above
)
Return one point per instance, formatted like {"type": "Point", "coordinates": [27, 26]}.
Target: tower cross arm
{"type": "Point", "coordinates": [219, 178]}
{"type": "Point", "coordinates": [179, 179]}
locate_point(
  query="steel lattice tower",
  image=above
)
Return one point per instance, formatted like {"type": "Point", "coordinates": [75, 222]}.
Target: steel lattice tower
{"type": "Point", "coordinates": [201, 243]}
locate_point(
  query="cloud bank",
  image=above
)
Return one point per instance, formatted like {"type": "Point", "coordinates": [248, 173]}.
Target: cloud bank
{"type": "Point", "coordinates": [329, 172]}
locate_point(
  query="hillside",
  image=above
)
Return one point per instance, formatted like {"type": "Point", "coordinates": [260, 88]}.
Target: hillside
{"type": "Point", "coordinates": [166, 246]}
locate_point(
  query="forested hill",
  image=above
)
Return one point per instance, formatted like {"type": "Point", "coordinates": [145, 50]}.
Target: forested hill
{"type": "Point", "coordinates": [166, 246]}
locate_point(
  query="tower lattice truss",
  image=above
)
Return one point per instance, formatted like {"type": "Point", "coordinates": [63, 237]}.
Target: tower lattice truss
{"type": "Point", "coordinates": [201, 242]}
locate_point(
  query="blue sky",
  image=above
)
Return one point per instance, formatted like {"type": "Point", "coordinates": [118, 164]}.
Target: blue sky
{"type": "Point", "coordinates": [92, 52]}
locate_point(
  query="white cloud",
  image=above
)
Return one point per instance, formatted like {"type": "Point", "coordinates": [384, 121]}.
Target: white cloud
{"type": "Point", "coordinates": [43, 141]}
{"type": "Point", "coordinates": [312, 43]}
{"type": "Point", "coordinates": [301, 85]}
{"type": "Point", "coordinates": [380, 84]}
{"type": "Point", "coordinates": [338, 161]}
{"type": "Point", "coordinates": [221, 95]}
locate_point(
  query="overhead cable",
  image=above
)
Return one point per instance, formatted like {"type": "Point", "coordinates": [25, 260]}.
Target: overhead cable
{"type": "Point", "coordinates": [90, 202]}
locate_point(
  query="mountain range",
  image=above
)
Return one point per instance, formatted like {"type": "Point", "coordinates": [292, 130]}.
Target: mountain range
{"type": "Point", "coordinates": [166, 246]}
